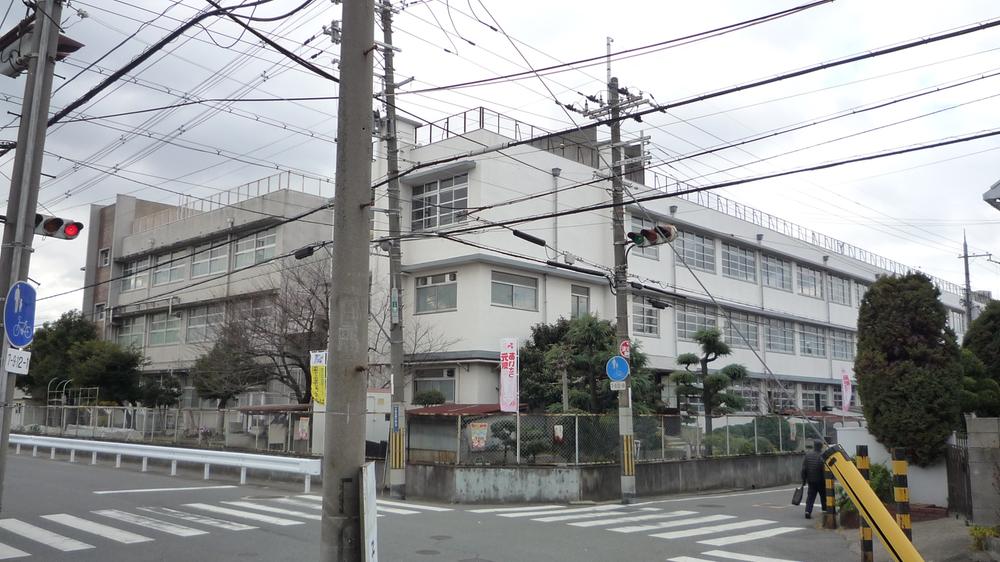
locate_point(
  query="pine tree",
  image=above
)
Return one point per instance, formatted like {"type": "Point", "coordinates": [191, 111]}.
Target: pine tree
{"type": "Point", "coordinates": [908, 367]}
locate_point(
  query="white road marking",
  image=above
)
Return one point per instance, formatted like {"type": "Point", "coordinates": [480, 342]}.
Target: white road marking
{"type": "Point", "coordinates": [150, 523]}
{"type": "Point", "coordinates": [560, 511]}
{"type": "Point", "coordinates": [7, 552]}
{"type": "Point", "coordinates": [117, 535]}
{"type": "Point", "coordinates": [408, 505]}
{"type": "Point", "coordinates": [515, 509]}
{"type": "Point", "coordinates": [634, 518]}
{"type": "Point", "coordinates": [244, 514]}
{"type": "Point", "coordinates": [396, 511]}
{"type": "Point", "coordinates": [687, 559]}
{"type": "Point", "coordinates": [290, 501]}
{"type": "Point", "coordinates": [579, 516]}
{"type": "Point", "coordinates": [713, 529]}
{"type": "Point", "coordinates": [144, 490]}
{"type": "Point", "coordinates": [711, 497]}
{"type": "Point", "coordinates": [312, 497]}
{"type": "Point", "coordinates": [44, 536]}
{"type": "Point", "coordinates": [278, 510]}
{"type": "Point", "coordinates": [723, 541]}
{"type": "Point", "coordinates": [200, 519]}
{"type": "Point", "coordinates": [675, 523]}
{"type": "Point", "coordinates": [743, 557]}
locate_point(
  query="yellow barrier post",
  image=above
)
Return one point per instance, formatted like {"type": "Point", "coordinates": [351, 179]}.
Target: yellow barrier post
{"type": "Point", "coordinates": [830, 506]}
{"type": "Point", "coordinates": [869, 506]}
{"type": "Point", "coordinates": [864, 464]}
{"type": "Point", "coordinates": [901, 491]}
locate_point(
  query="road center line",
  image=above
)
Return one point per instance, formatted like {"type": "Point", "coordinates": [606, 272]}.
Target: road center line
{"type": "Point", "coordinates": [144, 490]}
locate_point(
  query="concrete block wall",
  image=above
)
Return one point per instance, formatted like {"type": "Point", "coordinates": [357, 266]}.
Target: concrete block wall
{"type": "Point", "coordinates": [984, 468]}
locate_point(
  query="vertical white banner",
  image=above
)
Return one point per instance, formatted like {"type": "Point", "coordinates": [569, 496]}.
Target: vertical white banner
{"type": "Point", "coordinates": [369, 523]}
{"type": "Point", "coordinates": [846, 391]}
{"type": "Point", "coordinates": [509, 391]}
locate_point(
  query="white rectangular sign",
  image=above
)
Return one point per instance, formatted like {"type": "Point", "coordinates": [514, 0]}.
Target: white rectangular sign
{"type": "Point", "coordinates": [509, 391]}
{"type": "Point", "coordinates": [18, 361]}
{"type": "Point", "coordinates": [617, 385]}
{"type": "Point", "coordinates": [369, 521]}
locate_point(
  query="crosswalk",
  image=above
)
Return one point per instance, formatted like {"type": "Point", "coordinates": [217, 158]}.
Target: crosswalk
{"type": "Point", "coordinates": [64, 532]}
{"type": "Point", "coordinates": [711, 530]}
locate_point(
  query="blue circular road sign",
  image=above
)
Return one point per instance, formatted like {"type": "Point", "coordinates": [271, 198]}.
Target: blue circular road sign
{"type": "Point", "coordinates": [617, 368]}
{"type": "Point", "coordinates": [19, 314]}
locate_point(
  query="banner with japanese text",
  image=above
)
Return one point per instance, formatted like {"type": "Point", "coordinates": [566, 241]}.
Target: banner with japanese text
{"type": "Point", "coordinates": [509, 391]}
{"type": "Point", "coordinates": [317, 372]}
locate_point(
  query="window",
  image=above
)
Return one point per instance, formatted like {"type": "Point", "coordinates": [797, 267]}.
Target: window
{"type": "Point", "coordinates": [99, 309]}
{"type": "Point", "coordinates": [690, 319]}
{"type": "Point", "coordinates": [134, 274]}
{"type": "Point", "coordinates": [645, 318]}
{"type": "Point", "coordinates": [255, 248]}
{"type": "Point", "coordinates": [203, 321]}
{"type": "Point", "coordinates": [780, 335]}
{"type": "Point", "coordinates": [812, 341]}
{"type": "Point", "coordinates": [442, 380]}
{"type": "Point", "coordinates": [741, 325]}
{"type": "Point", "coordinates": [208, 260]}
{"type": "Point", "coordinates": [104, 257]}
{"type": "Point", "coordinates": [840, 290]}
{"type": "Point", "coordinates": [842, 344]}
{"type": "Point", "coordinates": [698, 251]}
{"type": "Point", "coordinates": [440, 202]}
{"type": "Point", "coordinates": [776, 272]}
{"type": "Point", "coordinates": [579, 301]}
{"type": "Point", "coordinates": [652, 252]}
{"type": "Point", "coordinates": [739, 263]}
{"type": "Point", "coordinates": [164, 329]}
{"type": "Point", "coordinates": [260, 306]}
{"type": "Point", "coordinates": [168, 268]}
{"type": "Point", "coordinates": [956, 321]}
{"type": "Point", "coordinates": [860, 289]}
{"type": "Point", "coordinates": [515, 291]}
{"type": "Point", "coordinates": [810, 282]}
{"type": "Point", "coordinates": [436, 293]}
{"type": "Point", "coordinates": [749, 391]}
{"type": "Point", "coordinates": [130, 332]}
{"type": "Point", "coordinates": [813, 396]}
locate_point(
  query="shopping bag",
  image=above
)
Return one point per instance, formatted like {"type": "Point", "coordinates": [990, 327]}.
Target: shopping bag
{"type": "Point", "coordinates": [797, 496]}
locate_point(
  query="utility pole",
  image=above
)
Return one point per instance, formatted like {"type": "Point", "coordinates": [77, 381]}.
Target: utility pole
{"type": "Point", "coordinates": [968, 283]}
{"type": "Point", "coordinates": [622, 294]}
{"type": "Point", "coordinates": [22, 201]}
{"type": "Point", "coordinates": [344, 439]}
{"type": "Point", "coordinates": [397, 429]}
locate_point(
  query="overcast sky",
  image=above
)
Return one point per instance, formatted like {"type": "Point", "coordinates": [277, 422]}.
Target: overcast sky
{"type": "Point", "coordinates": [911, 208]}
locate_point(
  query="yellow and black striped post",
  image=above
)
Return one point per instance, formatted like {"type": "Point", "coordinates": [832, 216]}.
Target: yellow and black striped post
{"type": "Point", "coordinates": [864, 465]}
{"type": "Point", "coordinates": [901, 491]}
{"type": "Point", "coordinates": [628, 455]}
{"type": "Point", "coordinates": [830, 509]}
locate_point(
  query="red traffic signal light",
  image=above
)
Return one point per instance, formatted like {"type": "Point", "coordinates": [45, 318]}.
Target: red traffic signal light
{"type": "Point", "coordinates": [659, 234]}
{"type": "Point", "coordinates": [56, 227]}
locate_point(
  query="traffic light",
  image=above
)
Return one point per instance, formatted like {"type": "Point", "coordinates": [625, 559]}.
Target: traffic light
{"type": "Point", "coordinates": [13, 49]}
{"type": "Point", "coordinates": [659, 234]}
{"type": "Point", "coordinates": [56, 227]}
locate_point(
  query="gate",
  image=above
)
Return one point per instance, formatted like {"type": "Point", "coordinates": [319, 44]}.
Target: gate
{"type": "Point", "coordinates": [959, 485]}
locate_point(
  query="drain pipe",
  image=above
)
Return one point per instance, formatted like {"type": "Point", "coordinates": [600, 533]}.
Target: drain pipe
{"type": "Point", "coordinates": [555, 208]}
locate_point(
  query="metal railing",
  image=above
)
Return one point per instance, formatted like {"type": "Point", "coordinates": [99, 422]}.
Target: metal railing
{"type": "Point", "coordinates": [578, 439]}
{"type": "Point", "coordinates": [305, 467]}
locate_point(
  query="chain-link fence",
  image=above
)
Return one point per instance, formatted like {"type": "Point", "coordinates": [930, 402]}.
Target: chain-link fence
{"type": "Point", "coordinates": [558, 439]}
{"type": "Point", "coordinates": [230, 429]}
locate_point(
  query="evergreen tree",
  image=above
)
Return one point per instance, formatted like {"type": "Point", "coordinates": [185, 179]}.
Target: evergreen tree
{"type": "Point", "coordinates": [908, 366]}
{"type": "Point", "coordinates": [983, 339]}
{"type": "Point", "coordinates": [50, 352]}
{"type": "Point", "coordinates": [980, 392]}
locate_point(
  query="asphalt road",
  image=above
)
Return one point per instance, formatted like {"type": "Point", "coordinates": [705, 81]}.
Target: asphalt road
{"type": "Point", "coordinates": [54, 510]}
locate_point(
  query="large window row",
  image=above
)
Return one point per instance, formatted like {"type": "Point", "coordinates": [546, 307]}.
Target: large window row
{"type": "Point", "coordinates": [208, 259]}
{"type": "Point", "coordinates": [191, 325]}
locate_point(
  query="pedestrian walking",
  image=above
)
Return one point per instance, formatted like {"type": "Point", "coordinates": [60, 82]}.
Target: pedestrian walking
{"type": "Point", "coordinates": [813, 476]}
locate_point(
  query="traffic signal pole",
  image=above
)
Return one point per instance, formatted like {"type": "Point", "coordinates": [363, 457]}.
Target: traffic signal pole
{"type": "Point", "coordinates": [15, 253]}
{"type": "Point", "coordinates": [344, 439]}
{"type": "Point", "coordinates": [621, 296]}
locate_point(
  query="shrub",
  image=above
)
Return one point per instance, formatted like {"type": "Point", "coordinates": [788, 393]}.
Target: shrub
{"type": "Point", "coordinates": [979, 535]}
{"type": "Point", "coordinates": [428, 398]}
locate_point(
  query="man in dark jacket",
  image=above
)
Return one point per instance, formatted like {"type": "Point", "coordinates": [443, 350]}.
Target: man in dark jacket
{"type": "Point", "coordinates": [813, 475]}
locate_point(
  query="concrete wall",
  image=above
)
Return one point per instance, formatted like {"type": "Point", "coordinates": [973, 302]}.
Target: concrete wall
{"type": "Point", "coordinates": [984, 468]}
{"type": "Point", "coordinates": [475, 484]}
{"type": "Point", "coordinates": [927, 484]}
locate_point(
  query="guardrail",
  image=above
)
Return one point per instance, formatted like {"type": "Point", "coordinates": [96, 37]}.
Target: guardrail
{"type": "Point", "coordinates": [305, 467]}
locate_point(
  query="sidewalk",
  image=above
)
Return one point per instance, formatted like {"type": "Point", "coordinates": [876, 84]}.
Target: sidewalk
{"type": "Point", "coordinates": [940, 540]}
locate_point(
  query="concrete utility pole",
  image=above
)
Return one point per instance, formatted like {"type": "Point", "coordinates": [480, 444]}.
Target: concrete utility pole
{"type": "Point", "coordinates": [968, 283]}
{"type": "Point", "coordinates": [397, 428]}
{"type": "Point", "coordinates": [22, 201]}
{"type": "Point", "coordinates": [622, 294]}
{"type": "Point", "coordinates": [344, 440]}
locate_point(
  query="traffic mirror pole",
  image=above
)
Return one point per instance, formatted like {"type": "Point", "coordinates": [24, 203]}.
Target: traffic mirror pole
{"type": "Point", "coordinates": [22, 201]}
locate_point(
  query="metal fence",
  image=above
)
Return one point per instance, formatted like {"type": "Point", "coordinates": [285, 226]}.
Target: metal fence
{"type": "Point", "coordinates": [558, 439]}
{"type": "Point", "coordinates": [216, 429]}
